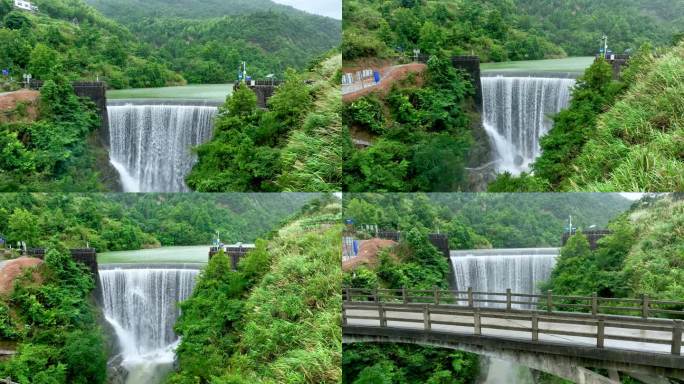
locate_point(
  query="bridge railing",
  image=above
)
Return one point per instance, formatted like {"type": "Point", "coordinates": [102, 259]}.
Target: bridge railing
{"type": "Point", "coordinates": [412, 307]}
{"type": "Point", "coordinates": [644, 307]}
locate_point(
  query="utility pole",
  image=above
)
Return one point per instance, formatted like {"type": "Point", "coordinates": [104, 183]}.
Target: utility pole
{"type": "Point", "coordinates": [604, 39]}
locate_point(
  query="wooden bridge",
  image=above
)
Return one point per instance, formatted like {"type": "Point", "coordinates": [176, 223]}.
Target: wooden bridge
{"type": "Point", "coordinates": [557, 334]}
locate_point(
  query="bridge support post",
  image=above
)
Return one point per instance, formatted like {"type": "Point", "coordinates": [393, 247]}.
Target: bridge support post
{"type": "Point", "coordinates": [677, 337]}
{"type": "Point", "coordinates": [381, 312]}
{"type": "Point", "coordinates": [645, 303]}
{"type": "Point", "coordinates": [436, 290]}
{"type": "Point", "coordinates": [535, 327]}
{"type": "Point", "coordinates": [470, 297]}
{"type": "Point", "coordinates": [594, 304]}
{"type": "Point", "coordinates": [347, 293]}
{"type": "Point", "coordinates": [508, 299]}
{"type": "Point", "coordinates": [404, 296]}
{"type": "Point", "coordinates": [476, 322]}
{"type": "Point", "coordinates": [426, 318]}
{"type": "Point", "coordinates": [600, 333]}
{"type": "Point", "coordinates": [549, 301]}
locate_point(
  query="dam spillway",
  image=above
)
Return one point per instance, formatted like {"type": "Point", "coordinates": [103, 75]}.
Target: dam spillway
{"type": "Point", "coordinates": [141, 304]}
{"type": "Point", "coordinates": [495, 270]}
{"type": "Point", "coordinates": [151, 144]}
{"type": "Point", "coordinates": [516, 114]}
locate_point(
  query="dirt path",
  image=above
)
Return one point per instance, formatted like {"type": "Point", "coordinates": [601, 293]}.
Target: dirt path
{"type": "Point", "coordinates": [8, 100]}
{"type": "Point", "coordinates": [389, 75]}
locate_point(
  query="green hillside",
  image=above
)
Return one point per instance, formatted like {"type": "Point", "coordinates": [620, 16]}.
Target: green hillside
{"type": "Point", "coordinates": [136, 10]}
{"type": "Point", "coordinates": [207, 41]}
{"type": "Point", "coordinates": [121, 221]}
{"type": "Point", "coordinates": [502, 30]}
{"type": "Point", "coordinates": [72, 39]}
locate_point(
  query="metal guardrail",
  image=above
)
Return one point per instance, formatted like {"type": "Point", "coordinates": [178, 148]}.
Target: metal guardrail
{"type": "Point", "coordinates": [548, 309]}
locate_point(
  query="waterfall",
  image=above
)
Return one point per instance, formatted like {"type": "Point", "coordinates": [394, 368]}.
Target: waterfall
{"type": "Point", "coordinates": [151, 145]}
{"type": "Point", "coordinates": [141, 306]}
{"type": "Point", "coordinates": [516, 115]}
{"type": "Point", "coordinates": [495, 270]}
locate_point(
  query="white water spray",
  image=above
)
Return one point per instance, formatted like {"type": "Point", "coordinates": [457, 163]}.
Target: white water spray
{"type": "Point", "coordinates": [516, 115]}
{"type": "Point", "coordinates": [141, 305]}
{"type": "Point", "coordinates": [151, 145]}
{"type": "Point", "coordinates": [495, 270]}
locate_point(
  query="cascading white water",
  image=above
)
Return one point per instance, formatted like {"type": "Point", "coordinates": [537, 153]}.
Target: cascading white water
{"type": "Point", "coordinates": [151, 145]}
{"type": "Point", "coordinates": [516, 115]}
{"type": "Point", "coordinates": [495, 270]}
{"type": "Point", "coordinates": [141, 305]}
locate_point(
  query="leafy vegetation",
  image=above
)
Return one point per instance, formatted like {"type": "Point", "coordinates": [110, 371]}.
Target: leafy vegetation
{"type": "Point", "coordinates": [643, 255]}
{"type": "Point", "coordinates": [191, 36]}
{"type": "Point", "coordinates": [421, 132]}
{"type": "Point", "coordinates": [276, 319]}
{"type": "Point", "coordinates": [616, 135]}
{"type": "Point", "coordinates": [71, 39]}
{"type": "Point", "coordinates": [111, 222]}
{"type": "Point", "coordinates": [50, 317]}
{"type": "Point", "coordinates": [503, 30]}
{"type": "Point", "coordinates": [44, 144]}
{"type": "Point", "coordinates": [294, 145]}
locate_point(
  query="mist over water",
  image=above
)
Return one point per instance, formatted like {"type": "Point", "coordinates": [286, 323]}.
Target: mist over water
{"type": "Point", "coordinates": [141, 304]}
{"type": "Point", "coordinates": [495, 270]}
{"type": "Point", "coordinates": [516, 115]}
{"type": "Point", "coordinates": [151, 145]}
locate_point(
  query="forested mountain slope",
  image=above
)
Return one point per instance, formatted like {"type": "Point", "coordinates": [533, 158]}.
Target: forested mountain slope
{"type": "Point", "coordinates": [501, 30]}
{"type": "Point", "coordinates": [128, 221]}
{"type": "Point", "coordinates": [136, 10]}
{"type": "Point", "coordinates": [487, 220]}
{"type": "Point", "coordinates": [207, 41]}
{"type": "Point", "coordinates": [73, 39]}
{"type": "Point", "coordinates": [576, 25]}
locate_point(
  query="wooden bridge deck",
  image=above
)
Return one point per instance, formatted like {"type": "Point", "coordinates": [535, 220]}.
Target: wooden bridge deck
{"type": "Point", "coordinates": [541, 319]}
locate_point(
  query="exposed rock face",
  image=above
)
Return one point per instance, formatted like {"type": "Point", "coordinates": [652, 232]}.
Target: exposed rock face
{"type": "Point", "coordinates": [116, 373]}
{"type": "Point", "coordinates": [14, 268]}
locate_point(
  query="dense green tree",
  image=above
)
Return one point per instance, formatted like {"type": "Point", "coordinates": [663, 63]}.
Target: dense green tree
{"type": "Point", "coordinates": [23, 226]}
{"type": "Point", "coordinates": [44, 62]}
{"type": "Point", "coordinates": [17, 20]}
{"type": "Point", "coordinates": [242, 102]}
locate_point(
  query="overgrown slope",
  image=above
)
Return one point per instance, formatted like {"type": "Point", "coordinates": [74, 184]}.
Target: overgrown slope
{"type": "Point", "coordinates": [51, 320]}
{"type": "Point", "coordinates": [644, 255]}
{"type": "Point", "coordinates": [276, 319]}
{"type": "Point", "coordinates": [295, 145]}
{"type": "Point", "coordinates": [639, 144]}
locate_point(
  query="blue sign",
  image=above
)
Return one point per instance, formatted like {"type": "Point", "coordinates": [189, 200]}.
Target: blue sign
{"type": "Point", "coordinates": [376, 76]}
{"type": "Point", "coordinates": [2, 241]}
{"type": "Point", "coordinates": [5, 72]}
{"type": "Point", "coordinates": [349, 222]}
